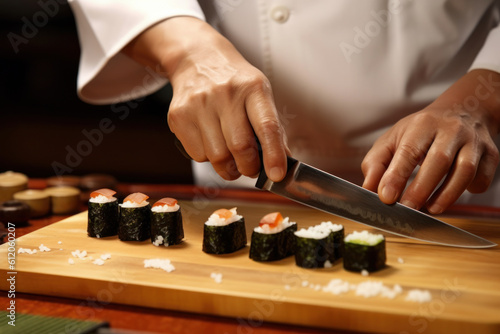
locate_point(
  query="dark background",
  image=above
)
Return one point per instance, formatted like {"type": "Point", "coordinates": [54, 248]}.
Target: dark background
{"type": "Point", "coordinates": [42, 119]}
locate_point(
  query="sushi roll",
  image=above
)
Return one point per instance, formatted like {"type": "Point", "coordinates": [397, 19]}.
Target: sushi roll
{"type": "Point", "coordinates": [312, 247]}
{"type": "Point", "coordinates": [336, 239]}
{"type": "Point", "coordinates": [224, 232]}
{"type": "Point", "coordinates": [135, 218]}
{"type": "Point", "coordinates": [273, 239]}
{"type": "Point", "coordinates": [364, 251]}
{"type": "Point", "coordinates": [103, 214]}
{"type": "Point", "coordinates": [318, 244]}
{"type": "Point", "coordinates": [166, 223]}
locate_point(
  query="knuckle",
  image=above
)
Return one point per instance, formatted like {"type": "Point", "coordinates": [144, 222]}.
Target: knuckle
{"type": "Point", "coordinates": [219, 157]}
{"type": "Point", "coordinates": [228, 170]}
{"type": "Point", "coordinates": [240, 146]}
{"type": "Point", "coordinates": [256, 82]}
{"type": "Point", "coordinates": [271, 126]}
{"type": "Point", "coordinates": [178, 113]}
{"type": "Point", "coordinates": [412, 153]}
{"type": "Point", "coordinates": [467, 168]}
{"type": "Point", "coordinates": [443, 158]}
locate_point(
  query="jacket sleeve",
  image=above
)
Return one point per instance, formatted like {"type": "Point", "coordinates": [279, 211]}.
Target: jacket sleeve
{"type": "Point", "coordinates": [105, 75]}
{"type": "Point", "coordinates": [489, 56]}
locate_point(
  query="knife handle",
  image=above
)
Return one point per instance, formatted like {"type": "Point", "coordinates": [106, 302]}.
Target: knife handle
{"type": "Point", "coordinates": [262, 179]}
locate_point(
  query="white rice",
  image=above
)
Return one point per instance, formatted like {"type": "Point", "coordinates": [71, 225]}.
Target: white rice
{"type": "Point", "coordinates": [164, 264]}
{"type": "Point", "coordinates": [166, 208]}
{"type": "Point", "coordinates": [43, 248]}
{"type": "Point", "coordinates": [98, 262]}
{"type": "Point", "coordinates": [327, 264]}
{"type": "Point", "coordinates": [320, 231]}
{"type": "Point", "coordinates": [312, 233]}
{"type": "Point", "coordinates": [215, 220]}
{"type": "Point", "coordinates": [78, 254]}
{"type": "Point", "coordinates": [364, 272]}
{"type": "Point", "coordinates": [329, 225]}
{"type": "Point", "coordinates": [129, 204]}
{"type": "Point", "coordinates": [158, 241]}
{"type": "Point", "coordinates": [217, 277]}
{"type": "Point", "coordinates": [59, 242]}
{"type": "Point", "coordinates": [337, 286]}
{"type": "Point", "coordinates": [400, 260]}
{"type": "Point", "coordinates": [71, 261]}
{"type": "Point", "coordinates": [419, 296]}
{"type": "Point", "coordinates": [26, 250]}
{"type": "Point", "coordinates": [271, 230]}
{"type": "Point", "coordinates": [102, 199]}
{"type": "Point", "coordinates": [364, 238]}
{"type": "Point", "coordinates": [365, 289]}
{"type": "Point", "coordinates": [106, 256]}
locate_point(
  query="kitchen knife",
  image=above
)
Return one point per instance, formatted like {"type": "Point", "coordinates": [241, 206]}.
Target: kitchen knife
{"type": "Point", "coordinates": [320, 190]}
{"type": "Point", "coordinates": [312, 187]}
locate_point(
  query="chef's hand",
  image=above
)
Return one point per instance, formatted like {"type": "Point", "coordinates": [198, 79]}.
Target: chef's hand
{"type": "Point", "coordinates": [219, 99]}
{"type": "Point", "coordinates": [451, 140]}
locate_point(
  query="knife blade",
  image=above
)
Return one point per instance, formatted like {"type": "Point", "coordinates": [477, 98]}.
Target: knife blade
{"type": "Point", "coordinates": [315, 188]}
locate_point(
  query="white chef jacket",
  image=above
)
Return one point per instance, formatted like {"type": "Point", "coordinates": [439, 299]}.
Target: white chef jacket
{"type": "Point", "coordinates": [343, 72]}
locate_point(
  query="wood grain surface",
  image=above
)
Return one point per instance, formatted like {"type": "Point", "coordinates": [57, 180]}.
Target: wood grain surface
{"type": "Point", "coordinates": [464, 283]}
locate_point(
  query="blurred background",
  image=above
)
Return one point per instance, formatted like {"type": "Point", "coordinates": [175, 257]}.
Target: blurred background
{"type": "Point", "coordinates": [45, 129]}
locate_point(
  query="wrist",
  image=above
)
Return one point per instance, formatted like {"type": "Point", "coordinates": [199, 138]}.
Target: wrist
{"type": "Point", "coordinates": [165, 45]}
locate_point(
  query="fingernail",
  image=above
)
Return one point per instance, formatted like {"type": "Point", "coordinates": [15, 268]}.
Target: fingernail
{"type": "Point", "coordinates": [389, 194]}
{"type": "Point", "coordinates": [435, 209]}
{"type": "Point", "coordinates": [276, 174]}
{"type": "Point", "coordinates": [409, 204]}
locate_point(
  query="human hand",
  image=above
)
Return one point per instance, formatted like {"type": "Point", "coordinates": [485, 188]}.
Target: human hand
{"type": "Point", "coordinates": [451, 140]}
{"type": "Point", "coordinates": [220, 101]}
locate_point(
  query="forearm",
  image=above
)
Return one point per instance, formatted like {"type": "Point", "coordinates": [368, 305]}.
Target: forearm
{"type": "Point", "coordinates": [170, 44]}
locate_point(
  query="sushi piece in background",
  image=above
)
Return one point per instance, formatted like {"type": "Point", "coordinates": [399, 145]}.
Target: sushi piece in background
{"type": "Point", "coordinates": [336, 239]}
{"type": "Point", "coordinates": [135, 218]}
{"type": "Point", "coordinates": [318, 244]}
{"type": "Point", "coordinates": [224, 232]}
{"type": "Point", "coordinates": [103, 214]}
{"type": "Point", "coordinates": [364, 251]}
{"type": "Point", "coordinates": [166, 223]}
{"type": "Point", "coordinates": [273, 239]}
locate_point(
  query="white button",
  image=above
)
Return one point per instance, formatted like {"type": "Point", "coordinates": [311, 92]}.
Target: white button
{"type": "Point", "coordinates": [280, 14]}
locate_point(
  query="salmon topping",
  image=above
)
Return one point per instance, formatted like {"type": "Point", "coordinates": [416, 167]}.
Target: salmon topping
{"type": "Point", "coordinates": [271, 219]}
{"type": "Point", "coordinates": [223, 213]}
{"type": "Point", "coordinates": [166, 201]}
{"type": "Point", "coordinates": [104, 192]}
{"type": "Point", "coordinates": [136, 198]}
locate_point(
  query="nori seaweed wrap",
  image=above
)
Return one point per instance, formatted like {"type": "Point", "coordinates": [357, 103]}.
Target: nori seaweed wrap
{"type": "Point", "coordinates": [337, 238]}
{"type": "Point", "coordinates": [103, 219]}
{"type": "Point", "coordinates": [166, 223]}
{"type": "Point", "coordinates": [102, 214]}
{"type": "Point", "coordinates": [224, 232]}
{"type": "Point", "coordinates": [135, 218]}
{"type": "Point", "coordinates": [313, 252]}
{"type": "Point", "coordinates": [364, 251]}
{"type": "Point", "coordinates": [279, 241]}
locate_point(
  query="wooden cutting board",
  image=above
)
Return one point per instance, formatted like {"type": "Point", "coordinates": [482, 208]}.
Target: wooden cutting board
{"type": "Point", "coordinates": [464, 283]}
